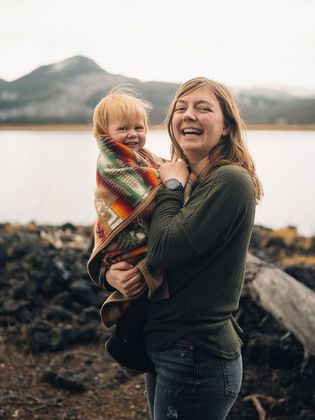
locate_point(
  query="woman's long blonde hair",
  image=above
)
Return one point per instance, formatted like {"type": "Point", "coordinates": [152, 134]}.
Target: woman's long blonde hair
{"type": "Point", "coordinates": [231, 147]}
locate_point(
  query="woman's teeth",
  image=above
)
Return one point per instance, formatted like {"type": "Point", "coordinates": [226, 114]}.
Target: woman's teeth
{"type": "Point", "coordinates": [191, 132]}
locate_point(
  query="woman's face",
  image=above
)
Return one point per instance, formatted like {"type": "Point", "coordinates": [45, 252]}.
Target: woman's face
{"type": "Point", "coordinates": [198, 123]}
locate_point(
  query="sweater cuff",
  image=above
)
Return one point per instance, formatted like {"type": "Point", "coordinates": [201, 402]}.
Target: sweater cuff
{"type": "Point", "coordinates": [165, 194]}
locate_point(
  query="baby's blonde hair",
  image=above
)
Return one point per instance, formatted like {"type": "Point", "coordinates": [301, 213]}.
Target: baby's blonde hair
{"type": "Point", "coordinates": [120, 102]}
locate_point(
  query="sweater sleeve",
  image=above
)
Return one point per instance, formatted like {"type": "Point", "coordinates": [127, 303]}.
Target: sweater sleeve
{"type": "Point", "coordinates": [178, 234]}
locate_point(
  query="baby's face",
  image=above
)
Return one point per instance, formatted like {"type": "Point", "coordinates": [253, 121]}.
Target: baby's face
{"type": "Point", "coordinates": [129, 131]}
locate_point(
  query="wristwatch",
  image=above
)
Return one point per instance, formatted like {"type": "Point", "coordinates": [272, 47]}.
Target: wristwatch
{"type": "Point", "coordinates": [173, 184]}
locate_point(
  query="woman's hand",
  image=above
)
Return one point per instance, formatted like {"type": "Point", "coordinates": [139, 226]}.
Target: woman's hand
{"type": "Point", "coordinates": [125, 278]}
{"type": "Point", "coordinates": [176, 170]}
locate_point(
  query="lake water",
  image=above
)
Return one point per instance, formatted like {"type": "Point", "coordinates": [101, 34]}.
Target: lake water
{"type": "Point", "coordinates": [49, 176]}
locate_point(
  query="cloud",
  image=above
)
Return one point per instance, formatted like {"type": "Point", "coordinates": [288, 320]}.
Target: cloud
{"type": "Point", "coordinates": [244, 42]}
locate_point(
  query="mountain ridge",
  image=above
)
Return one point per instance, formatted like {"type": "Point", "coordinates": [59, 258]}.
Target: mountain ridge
{"type": "Point", "coordinates": [67, 92]}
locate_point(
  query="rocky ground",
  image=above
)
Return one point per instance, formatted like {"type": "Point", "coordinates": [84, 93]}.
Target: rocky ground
{"type": "Point", "coordinates": [52, 362]}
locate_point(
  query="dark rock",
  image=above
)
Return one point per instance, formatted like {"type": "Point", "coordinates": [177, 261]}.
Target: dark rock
{"type": "Point", "coordinates": [2, 253]}
{"type": "Point", "coordinates": [71, 382]}
{"type": "Point", "coordinates": [285, 353]}
{"type": "Point", "coordinates": [16, 310]}
{"type": "Point", "coordinates": [257, 347]}
{"type": "Point", "coordinates": [81, 291]}
{"type": "Point", "coordinates": [70, 335]}
{"type": "Point", "coordinates": [63, 299]}
{"type": "Point", "coordinates": [68, 357]}
{"type": "Point", "coordinates": [276, 242]}
{"type": "Point", "coordinates": [37, 259]}
{"type": "Point", "coordinates": [78, 270]}
{"type": "Point", "coordinates": [69, 226]}
{"type": "Point", "coordinates": [90, 314]}
{"type": "Point", "coordinates": [303, 391]}
{"type": "Point", "coordinates": [19, 248]}
{"type": "Point", "coordinates": [62, 337]}
{"type": "Point", "coordinates": [49, 376]}
{"type": "Point", "coordinates": [40, 337]}
{"type": "Point", "coordinates": [24, 289]}
{"type": "Point", "coordinates": [50, 289]}
{"type": "Point", "coordinates": [38, 278]}
{"type": "Point", "coordinates": [89, 361]}
{"type": "Point", "coordinates": [58, 313]}
{"type": "Point", "coordinates": [262, 255]}
{"type": "Point", "coordinates": [4, 322]}
{"type": "Point", "coordinates": [312, 246]}
{"type": "Point", "coordinates": [75, 307]}
{"type": "Point", "coordinates": [8, 306]}
{"type": "Point", "coordinates": [255, 240]}
{"type": "Point", "coordinates": [305, 274]}
{"type": "Point", "coordinates": [53, 284]}
{"type": "Point", "coordinates": [4, 284]}
{"type": "Point", "coordinates": [62, 270]}
{"type": "Point", "coordinates": [53, 278]}
{"type": "Point", "coordinates": [279, 353]}
{"type": "Point", "coordinates": [70, 372]}
{"type": "Point", "coordinates": [254, 320]}
{"type": "Point", "coordinates": [276, 411]}
{"type": "Point", "coordinates": [65, 380]}
{"type": "Point", "coordinates": [122, 376]}
{"type": "Point", "coordinates": [273, 247]}
{"type": "Point", "coordinates": [4, 414]}
{"type": "Point", "coordinates": [25, 315]}
{"type": "Point", "coordinates": [86, 334]}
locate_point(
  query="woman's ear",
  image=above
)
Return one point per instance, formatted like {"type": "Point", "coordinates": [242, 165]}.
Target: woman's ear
{"type": "Point", "coordinates": [226, 130]}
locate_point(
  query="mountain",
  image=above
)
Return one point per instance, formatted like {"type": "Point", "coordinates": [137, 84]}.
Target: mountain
{"type": "Point", "coordinates": [67, 92]}
{"type": "Point", "coordinates": [276, 107]}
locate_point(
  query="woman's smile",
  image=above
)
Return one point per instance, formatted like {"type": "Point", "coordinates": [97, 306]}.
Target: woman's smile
{"type": "Point", "coordinates": [191, 132]}
{"type": "Point", "coordinates": [198, 123]}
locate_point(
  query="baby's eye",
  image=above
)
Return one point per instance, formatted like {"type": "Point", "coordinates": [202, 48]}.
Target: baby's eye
{"type": "Point", "coordinates": [140, 128]}
{"type": "Point", "coordinates": [122, 128]}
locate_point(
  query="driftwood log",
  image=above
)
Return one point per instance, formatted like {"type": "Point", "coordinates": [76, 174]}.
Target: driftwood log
{"type": "Point", "coordinates": [290, 302]}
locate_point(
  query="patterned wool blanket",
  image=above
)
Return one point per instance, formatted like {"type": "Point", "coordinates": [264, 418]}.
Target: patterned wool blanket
{"type": "Point", "coordinates": [126, 184]}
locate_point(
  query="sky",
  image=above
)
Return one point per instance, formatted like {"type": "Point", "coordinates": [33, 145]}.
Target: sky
{"type": "Point", "coordinates": [245, 43]}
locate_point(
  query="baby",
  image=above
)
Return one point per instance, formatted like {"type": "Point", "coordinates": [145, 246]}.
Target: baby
{"type": "Point", "coordinates": [127, 182]}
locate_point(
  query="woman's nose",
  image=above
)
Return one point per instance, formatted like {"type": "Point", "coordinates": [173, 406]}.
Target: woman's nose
{"type": "Point", "coordinates": [189, 114]}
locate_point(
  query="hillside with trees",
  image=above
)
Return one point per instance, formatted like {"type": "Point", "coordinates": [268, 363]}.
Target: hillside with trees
{"type": "Point", "coordinates": [67, 92]}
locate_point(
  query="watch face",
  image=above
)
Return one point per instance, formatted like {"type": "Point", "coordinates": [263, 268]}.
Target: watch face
{"type": "Point", "coordinates": [173, 185]}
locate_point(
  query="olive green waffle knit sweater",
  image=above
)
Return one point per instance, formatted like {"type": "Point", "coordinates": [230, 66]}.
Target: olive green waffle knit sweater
{"type": "Point", "coordinates": [202, 248]}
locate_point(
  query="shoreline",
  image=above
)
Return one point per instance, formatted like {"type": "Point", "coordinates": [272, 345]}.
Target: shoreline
{"type": "Point", "coordinates": [300, 248]}
{"type": "Point", "coordinates": [289, 233]}
{"type": "Point", "coordinates": [88, 127]}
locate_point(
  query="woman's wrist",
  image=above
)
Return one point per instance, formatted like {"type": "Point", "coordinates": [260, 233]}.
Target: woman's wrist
{"type": "Point", "coordinates": [173, 184]}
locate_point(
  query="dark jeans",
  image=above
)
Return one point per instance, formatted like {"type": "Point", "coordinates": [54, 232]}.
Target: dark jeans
{"type": "Point", "coordinates": [191, 384]}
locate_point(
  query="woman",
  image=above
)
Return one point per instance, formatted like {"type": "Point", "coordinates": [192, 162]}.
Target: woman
{"type": "Point", "coordinates": [192, 338]}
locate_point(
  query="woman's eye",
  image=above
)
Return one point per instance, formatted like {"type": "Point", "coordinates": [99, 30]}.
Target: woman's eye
{"type": "Point", "coordinates": [203, 108]}
{"type": "Point", "coordinates": [179, 109]}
